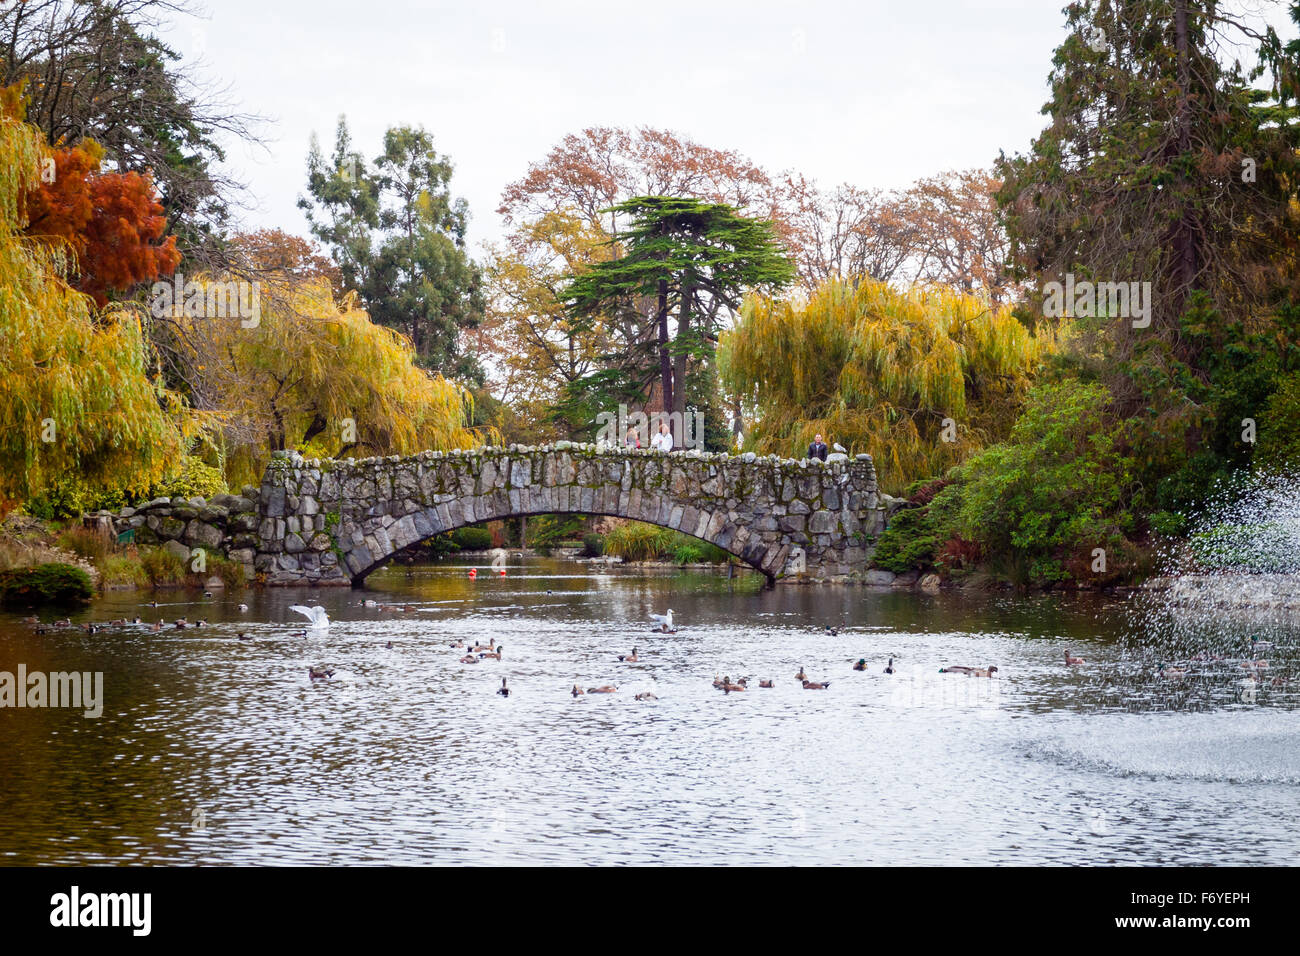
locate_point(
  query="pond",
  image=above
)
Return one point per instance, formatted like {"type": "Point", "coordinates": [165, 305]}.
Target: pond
{"type": "Point", "coordinates": [217, 750]}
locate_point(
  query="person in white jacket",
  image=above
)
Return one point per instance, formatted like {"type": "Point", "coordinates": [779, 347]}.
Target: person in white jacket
{"type": "Point", "coordinates": [664, 440]}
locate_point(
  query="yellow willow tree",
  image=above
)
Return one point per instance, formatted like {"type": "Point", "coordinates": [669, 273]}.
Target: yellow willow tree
{"type": "Point", "coordinates": [301, 370]}
{"type": "Point", "coordinates": [918, 379]}
{"type": "Point", "coordinates": [77, 398]}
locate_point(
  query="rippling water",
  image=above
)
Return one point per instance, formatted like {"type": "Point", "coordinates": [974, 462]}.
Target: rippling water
{"type": "Point", "coordinates": [407, 756]}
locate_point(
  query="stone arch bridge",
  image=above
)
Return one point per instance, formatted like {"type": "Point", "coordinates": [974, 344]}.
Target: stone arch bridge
{"type": "Point", "coordinates": [332, 522]}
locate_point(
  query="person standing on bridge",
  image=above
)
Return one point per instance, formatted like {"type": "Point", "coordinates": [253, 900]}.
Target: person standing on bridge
{"type": "Point", "coordinates": [818, 448]}
{"type": "Point", "coordinates": [632, 439]}
{"type": "Point", "coordinates": [664, 440]}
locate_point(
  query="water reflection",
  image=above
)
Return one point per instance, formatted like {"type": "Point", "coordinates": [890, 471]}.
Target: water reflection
{"type": "Point", "coordinates": [219, 750]}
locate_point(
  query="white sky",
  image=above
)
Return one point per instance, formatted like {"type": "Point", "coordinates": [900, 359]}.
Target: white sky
{"type": "Point", "coordinates": [865, 91]}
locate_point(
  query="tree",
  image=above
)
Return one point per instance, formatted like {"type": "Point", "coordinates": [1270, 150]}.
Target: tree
{"type": "Point", "coordinates": [112, 222]}
{"type": "Point", "coordinates": [76, 390]}
{"type": "Point", "coordinates": [917, 379]}
{"type": "Point", "coordinates": [696, 259]}
{"type": "Point", "coordinates": [398, 238]}
{"type": "Point", "coordinates": [956, 236]}
{"type": "Point", "coordinates": [96, 71]}
{"type": "Point", "coordinates": [319, 376]}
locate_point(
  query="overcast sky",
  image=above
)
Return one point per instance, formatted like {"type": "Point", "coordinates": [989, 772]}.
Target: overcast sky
{"type": "Point", "coordinates": [865, 91]}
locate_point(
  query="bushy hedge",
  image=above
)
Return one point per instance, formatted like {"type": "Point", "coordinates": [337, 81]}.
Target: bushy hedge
{"type": "Point", "coordinates": [593, 545]}
{"type": "Point", "coordinates": [57, 584]}
{"type": "Point", "coordinates": [471, 538]}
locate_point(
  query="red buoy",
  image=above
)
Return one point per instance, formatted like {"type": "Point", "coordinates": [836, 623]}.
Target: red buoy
{"type": "Point", "coordinates": [473, 572]}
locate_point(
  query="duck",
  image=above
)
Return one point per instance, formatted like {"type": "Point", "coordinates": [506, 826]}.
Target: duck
{"type": "Point", "coordinates": [1257, 644]}
{"type": "Point", "coordinates": [156, 626]}
{"type": "Point", "coordinates": [242, 636]}
{"type": "Point", "coordinates": [889, 668]}
{"type": "Point", "coordinates": [801, 675]}
{"type": "Point", "coordinates": [1170, 673]}
{"type": "Point", "coordinates": [728, 686]}
{"type": "Point", "coordinates": [646, 695]}
{"type": "Point", "coordinates": [577, 691]}
{"type": "Point", "coordinates": [490, 646]}
{"type": "Point", "coordinates": [861, 665]}
{"type": "Point", "coordinates": [459, 644]}
{"type": "Point", "coordinates": [388, 646]}
{"type": "Point", "coordinates": [503, 690]}
{"type": "Point", "coordinates": [320, 673]}
{"type": "Point", "coordinates": [605, 689]}
{"type": "Point", "coordinates": [34, 619]}
{"type": "Point", "coordinates": [766, 683]}
{"type": "Point", "coordinates": [136, 620]}
{"type": "Point", "coordinates": [1281, 680]}
{"type": "Point", "coordinates": [181, 623]}
{"type": "Point", "coordinates": [832, 631]}
{"type": "Point", "coordinates": [986, 671]}
{"type": "Point", "coordinates": [493, 655]}
{"type": "Point", "coordinates": [815, 685]}
{"type": "Point", "coordinates": [153, 604]}
{"type": "Point", "coordinates": [1259, 665]}
{"type": "Point", "coordinates": [243, 608]}
{"type": "Point", "coordinates": [207, 594]}
{"type": "Point", "coordinates": [469, 659]}
{"type": "Point", "coordinates": [200, 623]}
{"type": "Point", "coordinates": [629, 658]}
{"type": "Point", "coordinates": [1073, 660]}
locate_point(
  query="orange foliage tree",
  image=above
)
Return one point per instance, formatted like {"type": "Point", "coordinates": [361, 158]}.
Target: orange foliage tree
{"type": "Point", "coordinates": [112, 222]}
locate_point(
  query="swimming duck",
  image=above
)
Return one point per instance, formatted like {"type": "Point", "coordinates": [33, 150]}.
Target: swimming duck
{"type": "Point", "coordinates": [34, 619]}
{"type": "Point", "coordinates": [136, 620]}
{"type": "Point", "coordinates": [243, 607]}
{"type": "Point", "coordinates": [1170, 673]}
{"type": "Point", "coordinates": [320, 673]}
{"type": "Point", "coordinates": [156, 626]}
{"type": "Point", "coordinates": [728, 686]}
{"type": "Point", "coordinates": [181, 623]}
{"type": "Point", "coordinates": [1257, 644]}
{"type": "Point", "coordinates": [889, 668]}
{"type": "Point", "coordinates": [629, 658]}
{"type": "Point", "coordinates": [814, 685]}
{"type": "Point", "coordinates": [801, 675]}
{"type": "Point", "coordinates": [491, 646]}
{"type": "Point", "coordinates": [388, 646]}
{"type": "Point", "coordinates": [242, 636]}
{"type": "Point", "coordinates": [469, 659]}
{"type": "Point", "coordinates": [1259, 665]}
{"type": "Point", "coordinates": [606, 689]}
{"type": "Point", "coordinates": [861, 665]}
{"type": "Point", "coordinates": [985, 671]}
{"type": "Point", "coordinates": [1073, 660]}
{"type": "Point", "coordinates": [503, 690]}
{"type": "Point", "coordinates": [646, 695]}
{"type": "Point", "coordinates": [207, 594]}
{"type": "Point", "coordinates": [577, 690]}
{"type": "Point", "coordinates": [460, 644]}
{"type": "Point", "coordinates": [832, 631]}
{"type": "Point", "coordinates": [766, 683]}
{"type": "Point", "coordinates": [493, 655]}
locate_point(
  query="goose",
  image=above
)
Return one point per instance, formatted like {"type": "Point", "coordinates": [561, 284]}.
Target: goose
{"type": "Point", "coordinates": [629, 658]}
{"type": "Point", "coordinates": [1073, 660]}
{"type": "Point", "coordinates": [320, 621]}
{"type": "Point", "coordinates": [814, 685]}
{"type": "Point", "coordinates": [665, 621]}
{"type": "Point", "coordinates": [889, 668]}
{"type": "Point", "coordinates": [503, 690]}
{"type": "Point", "coordinates": [320, 673]}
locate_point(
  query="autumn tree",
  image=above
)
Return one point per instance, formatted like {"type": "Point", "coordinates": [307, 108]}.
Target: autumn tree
{"type": "Point", "coordinates": [113, 223]}
{"type": "Point", "coordinates": [956, 236]}
{"type": "Point", "coordinates": [919, 379]}
{"type": "Point", "coordinates": [398, 238]}
{"type": "Point", "coordinates": [77, 393]}
{"type": "Point", "coordinates": [695, 260]}
{"type": "Point", "coordinates": [99, 71]}
{"type": "Point", "coordinates": [317, 375]}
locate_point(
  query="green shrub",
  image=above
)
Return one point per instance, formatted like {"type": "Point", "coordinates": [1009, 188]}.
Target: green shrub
{"type": "Point", "coordinates": [57, 584]}
{"type": "Point", "coordinates": [1261, 548]}
{"type": "Point", "coordinates": [471, 538]}
{"type": "Point", "coordinates": [636, 541]}
{"type": "Point", "coordinates": [196, 479]}
{"type": "Point", "coordinates": [70, 497]}
{"type": "Point", "coordinates": [161, 567]}
{"type": "Point", "coordinates": [122, 569]}
{"type": "Point", "coordinates": [547, 531]}
{"type": "Point", "coordinates": [593, 545]}
{"type": "Point", "coordinates": [908, 542]}
{"type": "Point", "coordinates": [230, 572]}
{"type": "Point", "coordinates": [688, 553]}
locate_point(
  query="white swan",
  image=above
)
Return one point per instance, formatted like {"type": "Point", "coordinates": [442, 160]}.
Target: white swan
{"type": "Point", "coordinates": [665, 621]}
{"type": "Point", "coordinates": [320, 621]}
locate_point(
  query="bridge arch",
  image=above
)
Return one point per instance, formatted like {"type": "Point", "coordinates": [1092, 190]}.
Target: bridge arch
{"type": "Point", "coordinates": [334, 522]}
